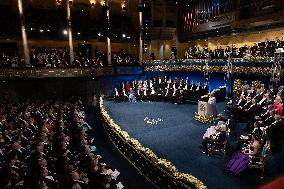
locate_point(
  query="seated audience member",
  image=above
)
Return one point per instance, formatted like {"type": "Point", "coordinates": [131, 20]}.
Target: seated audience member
{"type": "Point", "coordinates": [215, 133]}
{"type": "Point", "coordinates": [240, 161]}
{"type": "Point", "coordinates": [278, 106]}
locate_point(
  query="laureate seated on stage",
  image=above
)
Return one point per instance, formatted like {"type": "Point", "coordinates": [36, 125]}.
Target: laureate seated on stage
{"type": "Point", "coordinates": [162, 89]}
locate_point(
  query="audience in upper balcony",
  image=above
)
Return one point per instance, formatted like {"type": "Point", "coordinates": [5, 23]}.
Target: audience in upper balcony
{"type": "Point", "coordinates": [262, 49]}
{"type": "Point", "coordinates": [7, 61]}
{"type": "Point", "coordinates": [60, 58]}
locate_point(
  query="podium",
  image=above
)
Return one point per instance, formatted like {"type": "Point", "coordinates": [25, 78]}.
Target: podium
{"type": "Point", "coordinates": [205, 109]}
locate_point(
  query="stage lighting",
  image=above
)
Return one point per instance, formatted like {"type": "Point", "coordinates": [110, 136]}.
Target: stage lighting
{"type": "Point", "coordinates": [65, 32]}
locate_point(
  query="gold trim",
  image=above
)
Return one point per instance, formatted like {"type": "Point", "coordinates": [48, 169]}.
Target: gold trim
{"type": "Point", "coordinates": [246, 70]}
{"type": "Point", "coordinates": [140, 172]}
{"type": "Point", "coordinates": [164, 165]}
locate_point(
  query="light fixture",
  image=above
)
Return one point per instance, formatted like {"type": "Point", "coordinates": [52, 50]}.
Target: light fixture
{"type": "Point", "coordinates": [99, 34]}
{"type": "Point", "coordinates": [123, 35]}
{"type": "Point", "coordinates": [41, 30]}
{"type": "Point", "coordinates": [79, 33]}
{"type": "Point", "coordinates": [65, 32]}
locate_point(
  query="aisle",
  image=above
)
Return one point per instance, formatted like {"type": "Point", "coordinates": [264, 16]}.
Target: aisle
{"type": "Point", "coordinates": [129, 176]}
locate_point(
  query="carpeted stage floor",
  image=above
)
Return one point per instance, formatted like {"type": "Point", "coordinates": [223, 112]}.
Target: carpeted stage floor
{"type": "Point", "coordinates": [177, 138]}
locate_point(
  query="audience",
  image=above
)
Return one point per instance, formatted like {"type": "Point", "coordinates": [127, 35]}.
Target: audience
{"type": "Point", "coordinates": [262, 110]}
{"type": "Point", "coordinates": [48, 144]}
{"type": "Point", "coordinates": [262, 49]}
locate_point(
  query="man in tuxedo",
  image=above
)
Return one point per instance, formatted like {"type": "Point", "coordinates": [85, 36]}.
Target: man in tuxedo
{"type": "Point", "coordinates": [192, 89]}
{"type": "Point", "coordinates": [205, 89]}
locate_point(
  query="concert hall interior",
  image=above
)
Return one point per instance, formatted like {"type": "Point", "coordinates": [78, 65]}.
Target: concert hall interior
{"type": "Point", "coordinates": [141, 94]}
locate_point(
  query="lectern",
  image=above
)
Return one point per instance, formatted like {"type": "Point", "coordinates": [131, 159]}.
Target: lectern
{"type": "Point", "coordinates": [205, 109]}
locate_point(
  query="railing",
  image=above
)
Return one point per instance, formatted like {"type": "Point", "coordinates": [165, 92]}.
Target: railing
{"type": "Point", "coordinates": [238, 66]}
{"type": "Point", "coordinates": [9, 73]}
{"type": "Point", "coordinates": [160, 172]}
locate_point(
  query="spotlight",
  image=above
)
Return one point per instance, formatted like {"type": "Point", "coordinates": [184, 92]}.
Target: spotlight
{"type": "Point", "coordinates": [123, 35]}
{"type": "Point", "coordinates": [32, 29]}
{"type": "Point", "coordinates": [79, 33]}
{"type": "Point", "coordinates": [64, 32]}
{"type": "Point", "coordinates": [41, 30]}
{"type": "Point", "coordinates": [48, 30]}
{"type": "Point", "coordinates": [99, 34]}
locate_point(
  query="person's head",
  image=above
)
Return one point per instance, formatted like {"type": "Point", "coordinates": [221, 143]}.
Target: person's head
{"type": "Point", "coordinates": [277, 117]}
{"type": "Point", "coordinates": [44, 171]}
{"type": "Point", "coordinates": [277, 100]}
{"type": "Point", "coordinates": [271, 112]}
{"type": "Point", "coordinates": [254, 101]}
{"type": "Point", "coordinates": [41, 185]}
{"type": "Point", "coordinates": [256, 136]}
{"type": "Point", "coordinates": [76, 186]}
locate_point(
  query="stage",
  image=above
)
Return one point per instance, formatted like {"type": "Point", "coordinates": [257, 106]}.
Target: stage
{"type": "Point", "coordinates": [177, 137]}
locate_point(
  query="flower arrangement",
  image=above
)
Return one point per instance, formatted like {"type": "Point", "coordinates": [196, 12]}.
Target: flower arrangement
{"type": "Point", "coordinates": [203, 119]}
{"type": "Point", "coordinates": [238, 70]}
{"type": "Point", "coordinates": [152, 121]}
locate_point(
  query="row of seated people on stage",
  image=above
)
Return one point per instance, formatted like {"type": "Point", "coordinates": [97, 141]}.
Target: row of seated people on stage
{"type": "Point", "coordinates": [47, 144]}
{"type": "Point", "coordinates": [262, 49]}
{"type": "Point", "coordinates": [161, 89]}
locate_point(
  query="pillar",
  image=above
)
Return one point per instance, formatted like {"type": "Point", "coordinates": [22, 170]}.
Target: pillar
{"type": "Point", "coordinates": [24, 34]}
{"type": "Point", "coordinates": [69, 32]}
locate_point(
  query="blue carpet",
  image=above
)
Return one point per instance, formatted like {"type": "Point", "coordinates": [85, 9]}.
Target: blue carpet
{"type": "Point", "coordinates": [178, 137]}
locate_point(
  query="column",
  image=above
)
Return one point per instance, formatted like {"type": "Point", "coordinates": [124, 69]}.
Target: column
{"type": "Point", "coordinates": [69, 32]}
{"type": "Point", "coordinates": [108, 38]}
{"type": "Point", "coordinates": [164, 9]}
{"type": "Point", "coordinates": [140, 37]}
{"type": "Point", "coordinates": [162, 50]}
{"type": "Point", "coordinates": [24, 34]}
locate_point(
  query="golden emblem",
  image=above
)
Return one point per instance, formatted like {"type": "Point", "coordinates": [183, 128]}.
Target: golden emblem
{"type": "Point", "coordinates": [202, 107]}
